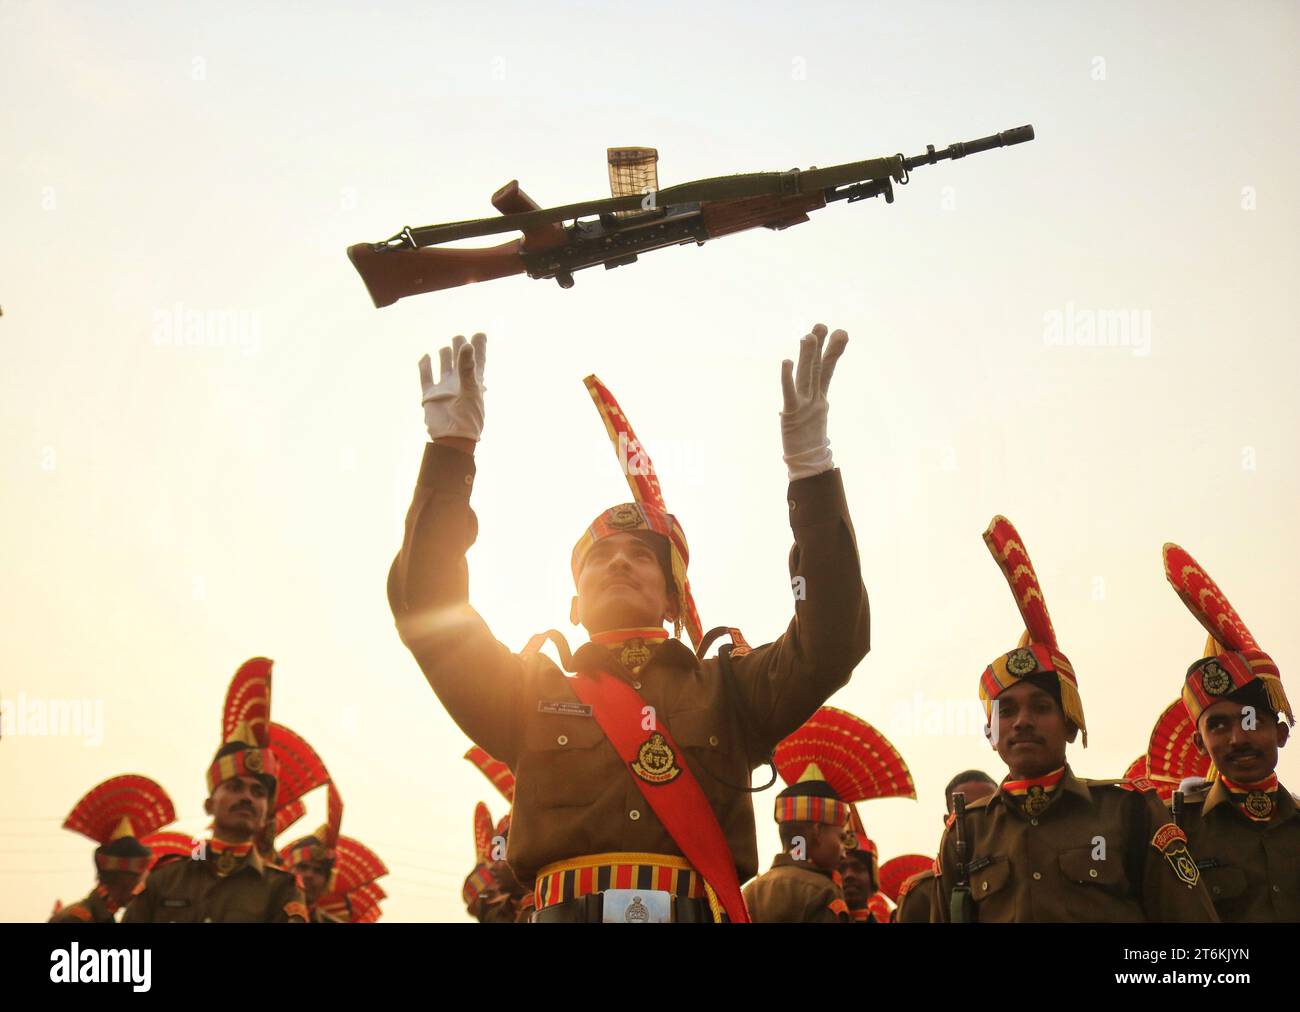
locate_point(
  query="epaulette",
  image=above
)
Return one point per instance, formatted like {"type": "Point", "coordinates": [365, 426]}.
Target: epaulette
{"type": "Point", "coordinates": [1195, 794]}
{"type": "Point", "coordinates": [80, 911]}
{"type": "Point", "coordinates": [1141, 784]}
{"type": "Point", "coordinates": [912, 881]}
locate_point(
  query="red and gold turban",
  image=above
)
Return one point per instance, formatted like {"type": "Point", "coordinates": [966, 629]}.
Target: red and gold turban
{"type": "Point", "coordinates": [846, 754]}
{"type": "Point", "coordinates": [246, 723]}
{"type": "Point", "coordinates": [116, 814]}
{"type": "Point", "coordinates": [1038, 652]}
{"type": "Point", "coordinates": [649, 512]}
{"type": "Point", "coordinates": [1233, 660]}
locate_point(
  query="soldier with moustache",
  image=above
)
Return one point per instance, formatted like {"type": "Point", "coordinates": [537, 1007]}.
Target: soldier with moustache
{"type": "Point", "coordinates": [225, 879]}
{"type": "Point", "coordinates": [1241, 823]}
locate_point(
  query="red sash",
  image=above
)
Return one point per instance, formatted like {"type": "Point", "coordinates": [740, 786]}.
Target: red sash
{"type": "Point", "coordinates": [678, 802]}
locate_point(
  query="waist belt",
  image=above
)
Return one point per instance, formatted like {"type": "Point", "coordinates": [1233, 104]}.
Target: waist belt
{"type": "Point", "coordinates": [570, 880]}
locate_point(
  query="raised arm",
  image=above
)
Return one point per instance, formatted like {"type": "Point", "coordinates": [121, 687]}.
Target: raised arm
{"type": "Point", "coordinates": [784, 682]}
{"type": "Point", "coordinates": [477, 678]}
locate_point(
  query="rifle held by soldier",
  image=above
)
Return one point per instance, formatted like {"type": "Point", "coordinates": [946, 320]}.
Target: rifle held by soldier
{"type": "Point", "coordinates": [961, 907]}
{"type": "Point", "coordinates": [639, 217]}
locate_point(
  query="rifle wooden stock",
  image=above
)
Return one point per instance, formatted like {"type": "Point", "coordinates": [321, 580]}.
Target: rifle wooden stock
{"type": "Point", "coordinates": [725, 217]}
{"type": "Point", "coordinates": [393, 274]}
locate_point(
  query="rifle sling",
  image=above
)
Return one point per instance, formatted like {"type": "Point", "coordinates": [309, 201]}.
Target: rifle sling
{"type": "Point", "coordinates": [737, 187]}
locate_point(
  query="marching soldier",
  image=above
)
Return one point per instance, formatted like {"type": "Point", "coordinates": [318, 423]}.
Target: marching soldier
{"type": "Point", "coordinates": [803, 885]}
{"type": "Point", "coordinates": [226, 879]}
{"type": "Point", "coordinates": [631, 800]}
{"type": "Point", "coordinates": [116, 814]}
{"type": "Point", "coordinates": [1047, 845]}
{"type": "Point", "coordinates": [1242, 823]}
{"type": "Point", "coordinates": [917, 893]}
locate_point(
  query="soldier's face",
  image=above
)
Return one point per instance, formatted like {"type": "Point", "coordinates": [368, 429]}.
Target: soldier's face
{"type": "Point", "coordinates": [973, 789]}
{"type": "Point", "coordinates": [826, 846]}
{"type": "Point", "coordinates": [1031, 731]}
{"type": "Point", "coordinates": [121, 885]}
{"type": "Point", "coordinates": [314, 876]}
{"type": "Point", "coordinates": [858, 886]}
{"type": "Point", "coordinates": [1242, 741]}
{"type": "Point", "coordinates": [238, 807]}
{"type": "Point", "coordinates": [622, 586]}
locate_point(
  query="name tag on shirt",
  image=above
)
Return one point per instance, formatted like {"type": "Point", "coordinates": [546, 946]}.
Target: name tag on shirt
{"type": "Point", "coordinates": [564, 707]}
{"type": "Point", "coordinates": [173, 904]}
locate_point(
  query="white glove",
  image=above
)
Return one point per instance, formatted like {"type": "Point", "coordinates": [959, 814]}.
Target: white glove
{"type": "Point", "coordinates": [454, 405]}
{"type": "Point", "coordinates": [803, 419]}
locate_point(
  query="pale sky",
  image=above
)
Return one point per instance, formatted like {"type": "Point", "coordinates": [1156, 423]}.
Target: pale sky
{"type": "Point", "coordinates": [173, 508]}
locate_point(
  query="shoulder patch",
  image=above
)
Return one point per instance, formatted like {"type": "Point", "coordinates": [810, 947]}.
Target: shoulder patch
{"type": "Point", "coordinates": [838, 907]}
{"type": "Point", "coordinates": [1137, 784]}
{"type": "Point", "coordinates": [1166, 835]}
{"type": "Point", "coordinates": [1171, 842]}
{"type": "Point", "coordinates": [80, 911]}
{"type": "Point", "coordinates": [297, 909]}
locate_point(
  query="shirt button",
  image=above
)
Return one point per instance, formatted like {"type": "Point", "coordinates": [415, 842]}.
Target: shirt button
{"type": "Point", "coordinates": [207, 920]}
{"type": "Point", "coordinates": [793, 504]}
{"type": "Point", "coordinates": [1037, 875]}
{"type": "Point", "coordinates": [1033, 822]}
{"type": "Point", "coordinates": [634, 815]}
{"type": "Point", "coordinates": [1277, 889]}
{"type": "Point", "coordinates": [713, 740]}
{"type": "Point", "coordinates": [984, 888]}
{"type": "Point", "coordinates": [562, 739]}
{"type": "Point", "coordinates": [1217, 890]}
{"type": "Point", "coordinates": [1092, 873]}
{"type": "Point", "coordinates": [469, 479]}
{"type": "Point", "coordinates": [636, 685]}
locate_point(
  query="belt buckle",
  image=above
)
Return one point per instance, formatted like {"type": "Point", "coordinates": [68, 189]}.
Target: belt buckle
{"type": "Point", "coordinates": [636, 906]}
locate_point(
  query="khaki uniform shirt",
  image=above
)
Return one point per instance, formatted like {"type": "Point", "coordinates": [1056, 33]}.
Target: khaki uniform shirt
{"type": "Point", "coordinates": [574, 796]}
{"type": "Point", "coordinates": [914, 904]}
{"type": "Point", "coordinates": [92, 910]}
{"type": "Point", "coordinates": [1091, 856]}
{"type": "Point", "coordinates": [795, 892]}
{"type": "Point", "coordinates": [1252, 868]}
{"type": "Point", "coordinates": [186, 891]}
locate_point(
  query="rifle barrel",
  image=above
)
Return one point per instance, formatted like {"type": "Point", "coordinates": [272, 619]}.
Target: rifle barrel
{"type": "Point", "coordinates": [960, 149]}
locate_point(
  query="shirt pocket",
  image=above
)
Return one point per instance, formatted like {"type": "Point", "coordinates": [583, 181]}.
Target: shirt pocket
{"type": "Point", "coordinates": [566, 762]}
{"type": "Point", "coordinates": [712, 747]}
{"type": "Point", "coordinates": [1224, 883]}
{"type": "Point", "coordinates": [1078, 866]}
{"type": "Point", "coordinates": [990, 880]}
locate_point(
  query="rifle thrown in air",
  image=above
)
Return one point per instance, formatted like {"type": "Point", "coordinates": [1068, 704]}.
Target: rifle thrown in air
{"type": "Point", "coordinates": [639, 217]}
